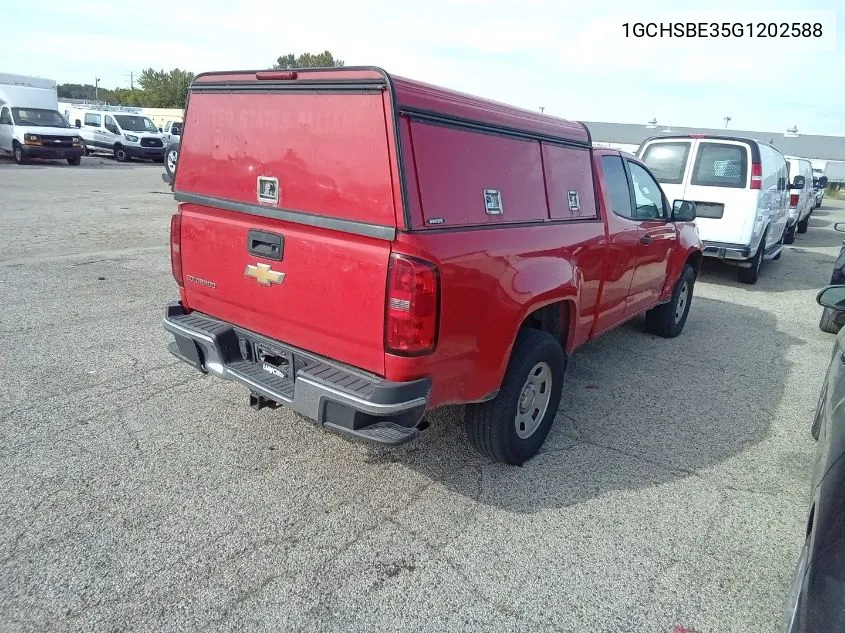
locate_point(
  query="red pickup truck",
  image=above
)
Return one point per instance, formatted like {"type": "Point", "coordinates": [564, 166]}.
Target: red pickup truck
{"type": "Point", "coordinates": [363, 248]}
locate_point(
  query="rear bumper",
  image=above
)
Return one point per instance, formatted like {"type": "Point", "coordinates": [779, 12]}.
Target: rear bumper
{"type": "Point", "coordinates": [725, 250]}
{"type": "Point", "coordinates": [342, 399]}
{"type": "Point", "coordinates": [38, 151]}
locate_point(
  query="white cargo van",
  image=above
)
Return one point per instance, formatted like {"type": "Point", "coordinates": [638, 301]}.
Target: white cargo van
{"type": "Point", "coordinates": [30, 123]}
{"type": "Point", "coordinates": [740, 188]}
{"type": "Point", "coordinates": [122, 132]}
{"type": "Point", "coordinates": [802, 199]}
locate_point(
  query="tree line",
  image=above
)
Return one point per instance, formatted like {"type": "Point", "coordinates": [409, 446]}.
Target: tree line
{"type": "Point", "coordinates": [169, 89]}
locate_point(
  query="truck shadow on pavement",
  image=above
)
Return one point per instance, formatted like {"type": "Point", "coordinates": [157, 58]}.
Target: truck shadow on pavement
{"type": "Point", "coordinates": [637, 411]}
{"type": "Point", "coordinates": [797, 269]}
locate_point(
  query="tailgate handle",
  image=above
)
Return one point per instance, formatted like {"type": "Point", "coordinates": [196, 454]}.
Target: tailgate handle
{"type": "Point", "coordinates": [267, 245]}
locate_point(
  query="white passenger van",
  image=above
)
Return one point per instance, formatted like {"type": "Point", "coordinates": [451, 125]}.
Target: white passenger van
{"type": "Point", "coordinates": [802, 198]}
{"type": "Point", "coordinates": [740, 188]}
{"type": "Point", "coordinates": [123, 132]}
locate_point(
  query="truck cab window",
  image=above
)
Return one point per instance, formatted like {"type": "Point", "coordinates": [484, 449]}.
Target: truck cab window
{"type": "Point", "coordinates": [617, 185]}
{"type": "Point", "coordinates": [647, 194]}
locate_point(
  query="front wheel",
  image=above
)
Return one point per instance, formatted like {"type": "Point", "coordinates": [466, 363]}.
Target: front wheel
{"type": "Point", "coordinates": [171, 157]}
{"type": "Point", "coordinates": [512, 427]}
{"type": "Point", "coordinates": [120, 154]}
{"type": "Point", "coordinates": [75, 161]}
{"type": "Point", "coordinates": [803, 225]}
{"type": "Point", "coordinates": [789, 235]}
{"type": "Point", "coordinates": [668, 320]}
{"type": "Point", "coordinates": [20, 159]}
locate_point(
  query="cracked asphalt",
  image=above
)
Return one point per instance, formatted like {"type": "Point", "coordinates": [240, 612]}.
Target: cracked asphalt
{"type": "Point", "coordinates": [138, 495]}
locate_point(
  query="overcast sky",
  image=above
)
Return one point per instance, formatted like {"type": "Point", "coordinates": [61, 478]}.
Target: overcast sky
{"type": "Point", "coordinates": [570, 57]}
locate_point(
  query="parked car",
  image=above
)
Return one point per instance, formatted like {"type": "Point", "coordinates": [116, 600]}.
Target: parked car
{"type": "Point", "coordinates": [740, 189]}
{"type": "Point", "coordinates": [171, 131]}
{"type": "Point", "coordinates": [801, 197]}
{"type": "Point", "coordinates": [125, 133]}
{"type": "Point", "coordinates": [816, 601]}
{"type": "Point", "coordinates": [819, 186]}
{"type": "Point", "coordinates": [832, 320]}
{"type": "Point", "coordinates": [30, 123]}
{"type": "Point", "coordinates": [363, 278]}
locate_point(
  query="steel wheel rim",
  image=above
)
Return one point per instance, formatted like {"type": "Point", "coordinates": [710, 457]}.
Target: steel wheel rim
{"type": "Point", "coordinates": [171, 160]}
{"type": "Point", "coordinates": [533, 400]}
{"type": "Point", "coordinates": [683, 298]}
{"type": "Point", "coordinates": [120, 154]}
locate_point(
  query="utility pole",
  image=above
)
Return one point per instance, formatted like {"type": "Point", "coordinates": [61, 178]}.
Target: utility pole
{"type": "Point", "coordinates": [727, 120]}
{"type": "Point", "coordinates": [96, 88]}
{"type": "Point", "coordinates": [131, 80]}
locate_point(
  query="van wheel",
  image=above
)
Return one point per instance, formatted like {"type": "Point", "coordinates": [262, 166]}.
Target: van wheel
{"type": "Point", "coordinates": [76, 160]}
{"type": "Point", "coordinates": [829, 322]}
{"type": "Point", "coordinates": [751, 274]}
{"type": "Point", "coordinates": [803, 225]}
{"type": "Point", "coordinates": [512, 427]}
{"type": "Point", "coordinates": [20, 159]}
{"type": "Point", "coordinates": [668, 320]}
{"type": "Point", "coordinates": [789, 235]}
{"type": "Point", "coordinates": [120, 154]}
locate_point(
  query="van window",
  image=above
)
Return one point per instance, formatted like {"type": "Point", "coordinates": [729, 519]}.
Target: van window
{"type": "Point", "coordinates": [647, 194]}
{"type": "Point", "coordinates": [92, 120]}
{"type": "Point", "coordinates": [111, 126]}
{"type": "Point", "coordinates": [176, 129]}
{"type": "Point", "coordinates": [667, 161]}
{"type": "Point", "coordinates": [5, 117]}
{"type": "Point", "coordinates": [135, 123]}
{"type": "Point", "coordinates": [617, 185]}
{"type": "Point", "coordinates": [720, 165]}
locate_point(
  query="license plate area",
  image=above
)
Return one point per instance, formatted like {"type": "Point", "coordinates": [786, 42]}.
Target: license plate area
{"type": "Point", "coordinates": [713, 210]}
{"type": "Point", "coordinates": [275, 361]}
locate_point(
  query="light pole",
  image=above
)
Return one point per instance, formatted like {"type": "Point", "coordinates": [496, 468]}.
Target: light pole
{"type": "Point", "coordinates": [96, 88]}
{"type": "Point", "coordinates": [542, 109]}
{"type": "Point", "coordinates": [727, 120]}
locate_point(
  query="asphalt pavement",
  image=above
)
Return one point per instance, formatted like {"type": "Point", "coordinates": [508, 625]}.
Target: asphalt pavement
{"type": "Point", "coordinates": [139, 495]}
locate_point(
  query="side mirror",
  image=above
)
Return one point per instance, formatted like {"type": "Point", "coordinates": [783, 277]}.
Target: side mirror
{"type": "Point", "coordinates": [823, 181]}
{"type": "Point", "coordinates": [683, 211]}
{"type": "Point", "coordinates": [78, 123]}
{"type": "Point", "coordinates": [798, 182]}
{"type": "Point", "coordinates": [160, 130]}
{"type": "Point", "coordinates": [832, 297]}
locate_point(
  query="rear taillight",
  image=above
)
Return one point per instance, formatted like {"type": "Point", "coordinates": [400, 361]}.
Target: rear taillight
{"type": "Point", "coordinates": [176, 247]}
{"type": "Point", "coordinates": [756, 176]}
{"type": "Point", "coordinates": [793, 200]}
{"type": "Point", "coordinates": [413, 293]}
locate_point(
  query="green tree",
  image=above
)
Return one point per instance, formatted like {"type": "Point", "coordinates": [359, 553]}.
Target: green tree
{"type": "Point", "coordinates": [129, 97]}
{"type": "Point", "coordinates": [163, 89]}
{"type": "Point", "coordinates": [308, 60]}
{"type": "Point", "coordinates": [84, 91]}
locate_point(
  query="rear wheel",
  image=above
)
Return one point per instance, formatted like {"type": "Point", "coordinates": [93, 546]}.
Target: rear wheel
{"type": "Point", "coordinates": [512, 427]}
{"type": "Point", "coordinates": [668, 320]}
{"type": "Point", "coordinates": [803, 225]}
{"type": "Point", "coordinates": [120, 154]}
{"type": "Point", "coordinates": [751, 274]}
{"type": "Point", "coordinates": [17, 150]}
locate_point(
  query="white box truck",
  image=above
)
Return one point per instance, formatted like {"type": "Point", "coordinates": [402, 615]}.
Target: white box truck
{"type": "Point", "coordinates": [30, 123]}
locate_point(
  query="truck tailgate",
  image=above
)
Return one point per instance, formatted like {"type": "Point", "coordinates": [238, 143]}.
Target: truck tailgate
{"type": "Point", "coordinates": [287, 215]}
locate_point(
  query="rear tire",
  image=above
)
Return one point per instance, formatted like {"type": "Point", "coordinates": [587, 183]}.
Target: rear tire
{"type": "Point", "coordinates": [829, 321]}
{"type": "Point", "coordinates": [803, 225]}
{"type": "Point", "coordinates": [751, 274]}
{"type": "Point", "coordinates": [75, 161]}
{"type": "Point", "coordinates": [171, 158]}
{"type": "Point", "coordinates": [668, 320]}
{"type": "Point", "coordinates": [512, 427]}
{"type": "Point", "coordinates": [120, 154]}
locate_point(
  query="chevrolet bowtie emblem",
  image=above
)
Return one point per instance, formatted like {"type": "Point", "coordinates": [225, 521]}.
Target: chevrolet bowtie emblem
{"type": "Point", "coordinates": [263, 274]}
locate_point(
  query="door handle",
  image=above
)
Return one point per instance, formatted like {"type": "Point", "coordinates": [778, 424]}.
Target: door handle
{"type": "Point", "coordinates": [646, 240]}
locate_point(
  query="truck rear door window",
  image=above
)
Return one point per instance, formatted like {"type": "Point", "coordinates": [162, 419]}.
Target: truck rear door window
{"type": "Point", "coordinates": [616, 183]}
{"type": "Point", "coordinates": [667, 161]}
{"type": "Point", "coordinates": [720, 165]}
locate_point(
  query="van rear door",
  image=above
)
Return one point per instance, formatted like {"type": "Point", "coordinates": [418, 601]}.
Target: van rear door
{"type": "Point", "coordinates": [718, 181]}
{"type": "Point", "coordinates": [286, 192]}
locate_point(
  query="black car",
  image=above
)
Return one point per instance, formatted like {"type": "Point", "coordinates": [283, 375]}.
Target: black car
{"type": "Point", "coordinates": [816, 601]}
{"type": "Point", "coordinates": [832, 320]}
